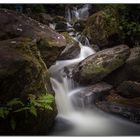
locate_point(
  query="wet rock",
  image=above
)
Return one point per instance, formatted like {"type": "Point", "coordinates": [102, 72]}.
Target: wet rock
{"type": "Point", "coordinates": [129, 89]}
{"type": "Point", "coordinates": [86, 97]}
{"type": "Point", "coordinates": [123, 107]}
{"type": "Point", "coordinates": [102, 28]}
{"type": "Point", "coordinates": [23, 72]}
{"type": "Point", "coordinates": [94, 68]}
{"type": "Point", "coordinates": [129, 71]}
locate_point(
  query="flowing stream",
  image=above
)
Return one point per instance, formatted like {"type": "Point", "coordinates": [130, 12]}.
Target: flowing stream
{"type": "Point", "coordinates": [78, 121]}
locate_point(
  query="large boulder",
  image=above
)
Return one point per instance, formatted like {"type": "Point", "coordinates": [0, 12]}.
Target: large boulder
{"type": "Point", "coordinates": [22, 74]}
{"type": "Point", "coordinates": [14, 25]}
{"type": "Point", "coordinates": [102, 28]}
{"type": "Point", "coordinates": [129, 71]}
{"type": "Point", "coordinates": [94, 68]}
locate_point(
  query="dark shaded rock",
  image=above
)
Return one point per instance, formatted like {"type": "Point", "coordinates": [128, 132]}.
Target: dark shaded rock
{"type": "Point", "coordinates": [102, 28]}
{"type": "Point", "coordinates": [95, 47]}
{"type": "Point", "coordinates": [23, 72]}
{"type": "Point", "coordinates": [86, 97]}
{"type": "Point", "coordinates": [94, 68]}
{"type": "Point", "coordinates": [123, 107]}
{"type": "Point", "coordinates": [129, 89]}
{"type": "Point", "coordinates": [57, 19]}
{"type": "Point", "coordinates": [61, 26]}
{"type": "Point", "coordinates": [79, 25]}
{"type": "Point", "coordinates": [129, 113]}
{"type": "Point", "coordinates": [42, 18]}
{"type": "Point", "coordinates": [70, 52]}
{"type": "Point", "coordinates": [129, 71]}
{"type": "Point", "coordinates": [72, 49]}
{"type": "Point", "coordinates": [49, 54]}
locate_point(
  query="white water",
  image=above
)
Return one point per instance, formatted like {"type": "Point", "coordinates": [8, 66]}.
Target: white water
{"type": "Point", "coordinates": [83, 121]}
{"type": "Point", "coordinates": [77, 14]}
{"type": "Point", "coordinates": [52, 26]}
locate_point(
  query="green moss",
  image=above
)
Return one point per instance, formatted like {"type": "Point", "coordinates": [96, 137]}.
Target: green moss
{"type": "Point", "coordinates": [69, 39]}
{"type": "Point", "coordinates": [92, 69]}
{"type": "Point", "coordinates": [101, 25]}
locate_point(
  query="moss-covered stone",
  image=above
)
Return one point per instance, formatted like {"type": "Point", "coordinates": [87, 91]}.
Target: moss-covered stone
{"type": "Point", "coordinates": [97, 66]}
{"type": "Point", "coordinates": [102, 28]}
{"type": "Point", "coordinates": [69, 39]}
{"type": "Point", "coordinates": [23, 72]}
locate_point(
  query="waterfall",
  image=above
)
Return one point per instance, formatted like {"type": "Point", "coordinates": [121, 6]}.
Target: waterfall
{"type": "Point", "coordinates": [73, 14]}
{"type": "Point", "coordinates": [84, 121]}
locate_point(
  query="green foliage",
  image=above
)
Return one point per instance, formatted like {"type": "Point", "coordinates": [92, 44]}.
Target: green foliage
{"type": "Point", "coordinates": [14, 101]}
{"type": "Point", "coordinates": [4, 112]}
{"type": "Point", "coordinates": [42, 102]}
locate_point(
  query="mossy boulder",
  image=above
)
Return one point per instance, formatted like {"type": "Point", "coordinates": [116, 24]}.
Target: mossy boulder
{"type": "Point", "coordinates": [94, 68]}
{"type": "Point", "coordinates": [102, 28]}
{"type": "Point", "coordinates": [14, 25]}
{"type": "Point", "coordinates": [23, 73]}
{"type": "Point", "coordinates": [49, 53]}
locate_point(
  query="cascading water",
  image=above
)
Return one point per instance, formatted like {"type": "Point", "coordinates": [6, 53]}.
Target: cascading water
{"type": "Point", "coordinates": [82, 121]}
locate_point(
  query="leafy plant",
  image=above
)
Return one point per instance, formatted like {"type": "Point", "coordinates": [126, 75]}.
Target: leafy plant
{"type": "Point", "coordinates": [42, 102]}
{"type": "Point", "coordinates": [4, 112]}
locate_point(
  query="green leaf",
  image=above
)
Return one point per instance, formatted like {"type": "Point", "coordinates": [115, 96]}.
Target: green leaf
{"type": "Point", "coordinates": [49, 108]}
{"type": "Point", "coordinates": [13, 124]}
{"type": "Point", "coordinates": [3, 112]}
{"type": "Point", "coordinates": [33, 110]}
{"type": "Point", "coordinates": [22, 109]}
{"type": "Point", "coordinates": [14, 101]}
